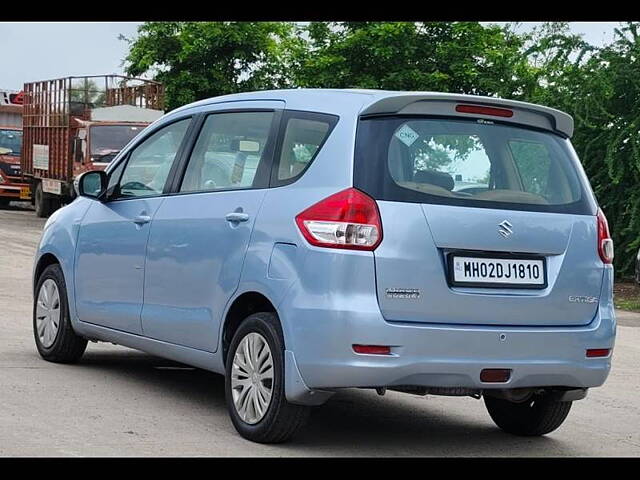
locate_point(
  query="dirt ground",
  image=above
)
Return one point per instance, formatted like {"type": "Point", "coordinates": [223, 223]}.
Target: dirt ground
{"type": "Point", "coordinates": [626, 295]}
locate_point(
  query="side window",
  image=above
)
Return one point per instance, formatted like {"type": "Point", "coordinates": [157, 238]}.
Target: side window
{"type": "Point", "coordinates": [303, 136]}
{"type": "Point", "coordinates": [533, 162]}
{"type": "Point", "coordinates": [228, 152]}
{"type": "Point", "coordinates": [150, 162]}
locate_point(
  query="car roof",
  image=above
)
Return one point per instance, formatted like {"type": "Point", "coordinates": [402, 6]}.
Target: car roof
{"type": "Point", "coordinates": [377, 102]}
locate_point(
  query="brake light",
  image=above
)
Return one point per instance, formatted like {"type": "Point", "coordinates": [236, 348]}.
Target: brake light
{"type": "Point", "coordinates": [348, 219]}
{"type": "Point", "coordinates": [496, 112]}
{"type": "Point", "coordinates": [605, 243]}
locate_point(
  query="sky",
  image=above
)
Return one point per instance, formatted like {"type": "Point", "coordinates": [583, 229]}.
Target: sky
{"type": "Point", "coordinates": [33, 51]}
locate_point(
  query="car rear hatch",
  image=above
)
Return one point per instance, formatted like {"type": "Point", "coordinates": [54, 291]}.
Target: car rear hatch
{"type": "Point", "coordinates": [487, 216]}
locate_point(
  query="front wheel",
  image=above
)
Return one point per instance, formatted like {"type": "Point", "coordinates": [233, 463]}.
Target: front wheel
{"type": "Point", "coordinates": [55, 339]}
{"type": "Point", "coordinates": [535, 417]}
{"type": "Point", "coordinates": [254, 383]}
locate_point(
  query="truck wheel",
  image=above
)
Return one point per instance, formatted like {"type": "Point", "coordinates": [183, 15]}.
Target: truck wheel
{"type": "Point", "coordinates": [55, 339]}
{"type": "Point", "coordinates": [43, 205]}
{"type": "Point", "coordinates": [535, 417]}
{"type": "Point", "coordinates": [254, 383]}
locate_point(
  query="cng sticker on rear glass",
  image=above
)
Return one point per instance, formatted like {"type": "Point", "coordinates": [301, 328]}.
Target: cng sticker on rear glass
{"type": "Point", "coordinates": [406, 135]}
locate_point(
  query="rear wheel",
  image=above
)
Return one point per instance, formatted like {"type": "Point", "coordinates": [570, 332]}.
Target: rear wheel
{"type": "Point", "coordinates": [254, 383]}
{"type": "Point", "coordinates": [537, 416]}
{"type": "Point", "coordinates": [55, 339]}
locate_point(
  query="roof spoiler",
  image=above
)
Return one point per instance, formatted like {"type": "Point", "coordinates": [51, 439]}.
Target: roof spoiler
{"type": "Point", "coordinates": [445, 104]}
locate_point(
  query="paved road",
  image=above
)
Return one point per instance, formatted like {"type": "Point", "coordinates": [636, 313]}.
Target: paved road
{"type": "Point", "coordinates": [121, 402]}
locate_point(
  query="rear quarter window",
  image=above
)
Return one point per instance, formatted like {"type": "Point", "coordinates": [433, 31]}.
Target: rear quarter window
{"type": "Point", "coordinates": [301, 138]}
{"type": "Point", "coordinates": [467, 163]}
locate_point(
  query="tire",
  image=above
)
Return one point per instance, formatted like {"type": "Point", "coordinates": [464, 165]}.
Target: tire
{"type": "Point", "coordinates": [535, 417]}
{"type": "Point", "coordinates": [44, 206]}
{"type": "Point", "coordinates": [281, 419]}
{"type": "Point", "coordinates": [65, 346]}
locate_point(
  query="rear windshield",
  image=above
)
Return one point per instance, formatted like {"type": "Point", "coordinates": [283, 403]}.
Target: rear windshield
{"type": "Point", "coordinates": [468, 163]}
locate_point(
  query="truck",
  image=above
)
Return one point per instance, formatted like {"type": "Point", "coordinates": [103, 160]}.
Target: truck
{"type": "Point", "coordinates": [12, 186]}
{"type": "Point", "coordinates": [75, 124]}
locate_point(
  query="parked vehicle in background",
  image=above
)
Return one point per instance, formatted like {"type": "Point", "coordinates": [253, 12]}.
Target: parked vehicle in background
{"type": "Point", "coordinates": [77, 124]}
{"type": "Point", "coordinates": [304, 241]}
{"type": "Point", "coordinates": [12, 186]}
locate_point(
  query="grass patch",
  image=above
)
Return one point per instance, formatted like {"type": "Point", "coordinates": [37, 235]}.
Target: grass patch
{"type": "Point", "coordinates": [626, 296]}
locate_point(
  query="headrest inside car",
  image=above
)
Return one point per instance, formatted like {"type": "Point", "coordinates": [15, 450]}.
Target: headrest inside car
{"type": "Point", "coordinates": [440, 179]}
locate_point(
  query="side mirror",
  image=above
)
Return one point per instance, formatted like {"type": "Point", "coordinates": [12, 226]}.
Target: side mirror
{"type": "Point", "coordinates": [92, 184]}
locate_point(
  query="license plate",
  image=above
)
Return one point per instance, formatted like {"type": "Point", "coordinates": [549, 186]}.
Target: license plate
{"type": "Point", "coordinates": [497, 272]}
{"type": "Point", "coordinates": [25, 193]}
{"type": "Point", "coordinates": [51, 186]}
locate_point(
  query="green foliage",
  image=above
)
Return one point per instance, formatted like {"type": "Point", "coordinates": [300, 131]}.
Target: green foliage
{"type": "Point", "coordinates": [197, 60]}
{"type": "Point", "coordinates": [600, 88]}
{"type": "Point", "coordinates": [602, 92]}
{"type": "Point", "coordinates": [464, 57]}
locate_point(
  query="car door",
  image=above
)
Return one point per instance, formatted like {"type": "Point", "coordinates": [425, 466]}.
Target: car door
{"type": "Point", "coordinates": [113, 235]}
{"type": "Point", "coordinates": [200, 234]}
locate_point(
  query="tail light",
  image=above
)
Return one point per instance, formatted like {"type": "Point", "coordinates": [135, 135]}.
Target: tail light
{"type": "Point", "coordinates": [348, 219]}
{"type": "Point", "coordinates": [479, 109]}
{"type": "Point", "coordinates": [605, 243]}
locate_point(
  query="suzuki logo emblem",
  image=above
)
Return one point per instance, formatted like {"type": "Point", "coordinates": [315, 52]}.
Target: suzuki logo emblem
{"type": "Point", "coordinates": [505, 229]}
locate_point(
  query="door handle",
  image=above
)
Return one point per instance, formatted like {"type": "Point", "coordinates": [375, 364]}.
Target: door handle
{"type": "Point", "coordinates": [236, 217]}
{"type": "Point", "coordinates": [141, 219]}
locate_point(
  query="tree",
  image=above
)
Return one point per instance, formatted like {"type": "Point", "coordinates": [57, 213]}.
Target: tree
{"type": "Point", "coordinates": [196, 60]}
{"type": "Point", "coordinates": [463, 57]}
{"type": "Point", "coordinates": [603, 94]}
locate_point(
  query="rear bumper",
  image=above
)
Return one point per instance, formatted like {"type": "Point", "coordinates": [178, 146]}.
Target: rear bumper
{"type": "Point", "coordinates": [438, 355]}
{"type": "Point", "coordinates": [453, 357]}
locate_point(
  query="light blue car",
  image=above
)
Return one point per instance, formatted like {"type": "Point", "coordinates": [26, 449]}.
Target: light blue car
{"type": "Point", "coordinates": [304, 241]}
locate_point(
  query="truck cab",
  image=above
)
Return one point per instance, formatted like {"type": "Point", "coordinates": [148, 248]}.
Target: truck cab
{"type": "Point", "coordinates": [97, 143]}
{"type": "Point", "coordinates": [10, 148]}
{"type": "Point", "coordinates": [77, 124]}
{"type": "Point", "coordinates": [12, 185]}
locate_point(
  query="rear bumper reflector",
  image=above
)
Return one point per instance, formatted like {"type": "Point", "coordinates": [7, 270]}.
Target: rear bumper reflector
{"type": "Point", "coordinates": [372, 349]}
{"type": "Point", "coordinates": [495, 375]}
{"type": "Point", "coordinates": [598, 352]}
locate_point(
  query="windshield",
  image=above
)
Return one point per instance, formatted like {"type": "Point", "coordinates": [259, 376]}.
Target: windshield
{"type": "Point", "coordinates": [468, 163]}
{"type": "Point", "coordinates": [10, 142]}
{"type": "Point", "coordinates": [108, 140]}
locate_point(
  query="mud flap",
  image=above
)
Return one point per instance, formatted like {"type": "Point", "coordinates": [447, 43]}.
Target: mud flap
{"type": "Point", "coordinates": [295, 389]}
